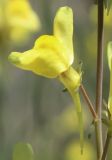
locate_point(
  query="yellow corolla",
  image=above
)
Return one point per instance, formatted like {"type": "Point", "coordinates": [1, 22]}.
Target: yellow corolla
{"type": "Point", "coordinates": [19, 19]}
{"type": "Point", "coordinates": [52, 56]}
{"type": "Point", "coordinates": [20, 14]}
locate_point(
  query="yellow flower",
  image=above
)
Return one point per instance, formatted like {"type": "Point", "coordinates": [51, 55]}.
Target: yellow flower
{"type": "Point", "coordinates": [52, 56]}
{"type": "Point", "coordinates": [20, 14]}
{"type": "Point", "coordinates": [19, 19]}
{"type": "Point", "coordinates": [72, 151]}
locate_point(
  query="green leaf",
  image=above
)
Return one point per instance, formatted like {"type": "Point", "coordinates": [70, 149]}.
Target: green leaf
{"type": "Point", "coordinates": [109, 54]}
{"type": "Point", "coordinates": [23, 151]}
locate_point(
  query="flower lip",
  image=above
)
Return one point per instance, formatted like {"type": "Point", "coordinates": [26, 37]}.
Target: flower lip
{"type": "Point", "coordinates": [66, 9]}
{"type": "Point", "coordinates": [14, 57]}
{"type": "Point", "coordinates": [63, 30]}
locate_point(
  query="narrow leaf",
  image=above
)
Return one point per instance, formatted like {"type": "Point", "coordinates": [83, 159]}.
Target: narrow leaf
{"type": "Point", "coordinates": [109, 54]}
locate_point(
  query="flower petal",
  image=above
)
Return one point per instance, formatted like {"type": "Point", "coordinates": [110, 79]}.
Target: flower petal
{"type": "Point", "coordinates": [20, 14]}
{"type": "Point", "coordinates": [24, 60]}
{"type": "Point", "coordinates": [47, 58]}
{"type": "Point", "coordinates": [63, 29]}
{"type": "Point", "coordinates": [52, 59]}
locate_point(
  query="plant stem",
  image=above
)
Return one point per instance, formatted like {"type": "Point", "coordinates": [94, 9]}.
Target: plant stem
{"type": "Point", "coordinates": [98, 124]}
{"type": "Point", "coordinates": [68, 79]}
{"type": "Point", "coordinates": [76, 99]}
{"type": "Point", "coordinates": [107, 142]}
{"type": "Point", "coordinates": [88, 101]}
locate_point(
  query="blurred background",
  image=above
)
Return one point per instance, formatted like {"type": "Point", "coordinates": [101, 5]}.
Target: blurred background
{"type": "Point", "coordinates": [34, 109]}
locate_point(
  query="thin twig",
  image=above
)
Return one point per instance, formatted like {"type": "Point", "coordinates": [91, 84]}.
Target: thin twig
{"type": "Point", "coordinates": [107, 142]}
{"type": "Point", "coordinates": [98, 124]}
{"type": "Point", "coordinates": [88, 101]}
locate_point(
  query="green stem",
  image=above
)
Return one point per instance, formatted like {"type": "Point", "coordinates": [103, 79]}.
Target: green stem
{"type": "Point", "coordinates": [76, 99]}
{"type": "Point", "coordinates": [107, 142]}
{"type": "Point", "coordinates": [98, 124]}
{"type": "Point", "coordinates": [89, 103]}
{"type": "Point", "coordinates": [71, 81]}
{"type": "Point", "coordinates": [110, 94]}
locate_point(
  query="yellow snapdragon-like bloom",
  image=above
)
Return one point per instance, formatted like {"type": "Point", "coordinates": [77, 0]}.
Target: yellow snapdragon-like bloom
{"type": "Point", "coordinates": [72, 151]}
{"type": "Point", "coordinates": [52, 56]}
{"type": "Point", "coordinates": [20, 14]}
{"type": "Point", "coordinates": [19, 18]}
